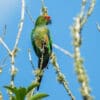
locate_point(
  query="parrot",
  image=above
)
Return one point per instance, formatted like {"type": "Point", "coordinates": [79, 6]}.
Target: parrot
{"type": "Point", "coordinates": [42, 43]}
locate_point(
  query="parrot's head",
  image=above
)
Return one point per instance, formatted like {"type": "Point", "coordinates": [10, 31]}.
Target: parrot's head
{"type": "Point", "coordinates": [43, 20]}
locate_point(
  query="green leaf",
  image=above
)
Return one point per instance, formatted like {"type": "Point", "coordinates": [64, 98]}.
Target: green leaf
{"type": "Point", "coordinates": [39, 96]}
{"type": "Point", "coordinates": [20, 93]}
{"type": "Point", "coordinates": [12, 89]}
{"type": "Point", "coordinates": [13, 98]}
{"type": "Point", "coordinates": [32, 86]}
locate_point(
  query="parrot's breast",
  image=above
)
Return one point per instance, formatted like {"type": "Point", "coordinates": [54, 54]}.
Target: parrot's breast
{"type": "Point", "coordinates": [41, 36]}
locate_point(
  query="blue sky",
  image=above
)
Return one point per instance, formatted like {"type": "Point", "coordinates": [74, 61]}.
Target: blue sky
{"type": "Point", "coordinates": [62, 13]}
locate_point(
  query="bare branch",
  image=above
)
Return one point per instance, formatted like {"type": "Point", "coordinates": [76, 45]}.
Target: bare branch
{"type": "Point", "coordinates": [2, 63]}
{"type": "Point", "coordinates": [88, 13]}
{"type": "Point", "coordinates": [4, 32]}
{"type": "Point", "coordinates": [77, 41]}
{"type": "Point", "coordinates": [60, 76]}
{"type": "Point", "coordinates": [30, 58]}
{"type": "Point", "coordinates": [13, 52]}
{"type": "Point", "coordinates": [43, 3]}
{"type": "Point", "coordinates": [21, 24]}
{"type": "Point", "coordinates": [83, 8]}
{"type": "Point", "coordinates": [5, 46]}
{"type": "Point", "coordinates": [29, 14]}
{"type": "Point", "coordinates": [62, 50]}
{"type": "Point", "coordinates": [98, 26]}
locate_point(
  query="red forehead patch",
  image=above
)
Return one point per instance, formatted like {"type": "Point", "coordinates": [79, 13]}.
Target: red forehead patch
{"type": "Point", "coordinates": [47, 17]}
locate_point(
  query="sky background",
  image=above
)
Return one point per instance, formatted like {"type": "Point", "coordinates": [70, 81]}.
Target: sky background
{"type": "Point", "coordinates": [62, 13]}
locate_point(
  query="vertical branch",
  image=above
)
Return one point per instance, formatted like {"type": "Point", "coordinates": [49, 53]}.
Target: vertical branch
{"type": "Point", "coordinates": [60, 76]}
{"type": "Point", "coordinates": [15, 49]}
{"type": "Point", "coordinates": [77, 41]}
{"type": "Point", "coordinates": [12, 53]}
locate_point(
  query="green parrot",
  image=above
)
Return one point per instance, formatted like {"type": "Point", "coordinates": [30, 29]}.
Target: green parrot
{"type": "Point", "coordinates": [41, 42]}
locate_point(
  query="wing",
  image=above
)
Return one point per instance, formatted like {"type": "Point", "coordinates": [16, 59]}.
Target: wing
{"type": "Point", "coordinates": [50, 40]}
{"type": "Point", "coordinates": [33, 40]}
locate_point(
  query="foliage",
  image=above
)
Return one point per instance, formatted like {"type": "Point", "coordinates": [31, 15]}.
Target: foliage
{"type": "Point", "coordinates": [21, 92]}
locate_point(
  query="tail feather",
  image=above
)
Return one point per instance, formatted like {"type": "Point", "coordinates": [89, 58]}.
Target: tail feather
{"type": "Point", "coordinates": [39, 81]}
{"type": "Point", "coordinates": [44, 65]}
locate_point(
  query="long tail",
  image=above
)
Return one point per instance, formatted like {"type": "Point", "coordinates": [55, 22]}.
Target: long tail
{"type": "Point", "coordinates": [41, 65]}
{"type": "Point", "coordinates": [39, 81]}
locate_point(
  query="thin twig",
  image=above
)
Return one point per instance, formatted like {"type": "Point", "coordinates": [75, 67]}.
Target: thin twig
{"type": "Point", "coordinates": [88, 13]}
{"type": "Point", "coordinates": [62, 50]}
{"type": "Point", "coordinates": [4, 60]}
{"type": "Point", "coordinates": [5, 46]}
{"type": "Point", "coordinates": [29, 95]}
{"type": "Point", "coordinates": [60, 76]}
{"type": "Point", "coordinates": [83, 6]}
{"type": "Point", "coordinates": [2, 64]}
{"type": "Point", "coordinates": [29, 14]}
{"type": "Point", "coordinates": [98, 26]}
{"type": "Point", "coordinates": [30, 58]}
{"type": "Point", "coordinates": [21, 24]}
{"type": "Point", "coordinates": [43, 4]}
{"type": "Point", "coordinates": [4, 32]}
